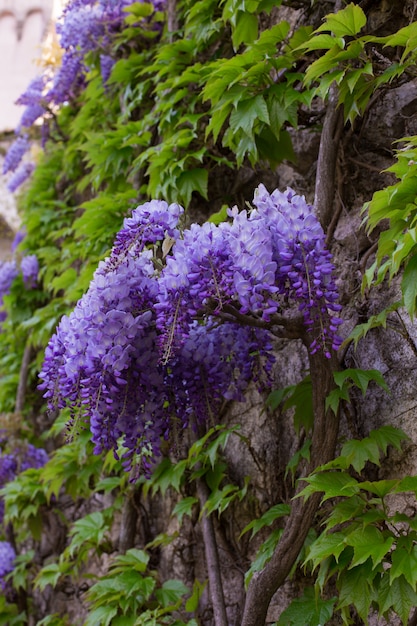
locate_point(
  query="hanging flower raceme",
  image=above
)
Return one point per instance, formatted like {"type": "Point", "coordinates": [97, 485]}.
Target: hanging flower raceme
{"type": "Point", "coordinates": [8, 272]}
{"type": "Point", "coordinates": [304, 271]}
{"type": "Point", "coordinates": [153, 343]}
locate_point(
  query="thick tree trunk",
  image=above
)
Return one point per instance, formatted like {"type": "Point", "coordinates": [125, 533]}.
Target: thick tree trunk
{"type": "Point", "coordinates": [326, 425]}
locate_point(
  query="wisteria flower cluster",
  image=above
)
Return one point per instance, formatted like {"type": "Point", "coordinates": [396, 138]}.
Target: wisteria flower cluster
{"type": "Point", "coordinates": [10, 270]}
{"type": "Point", "coordinates": [7, 558]}
{"type": "Point", "coordinates": [86, 26]}
{"type": "Point", "coordinates": [154, 344]}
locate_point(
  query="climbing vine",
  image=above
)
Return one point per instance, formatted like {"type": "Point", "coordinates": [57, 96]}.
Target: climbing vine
{"type": "Point", "coordinates": [151, 290]}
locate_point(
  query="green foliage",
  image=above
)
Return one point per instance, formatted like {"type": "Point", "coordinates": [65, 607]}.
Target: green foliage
{"type": "Point", "coordinates": [367, 548]}
{"type": "Point", "coordinates": [129, 594]}
{"type": "Point", "coordinates": [9, 614]}
{"type": "Point", "coordinates": [346, 379]}
{"type": "Point", "coordinates": [397, 246]}
{"type": "Point", "coordinates": [307, 610]}
{"type": "Point", "coordinates": [298, 397]}
{"type": "Point", "coordinates": [346, 59]}
{"type": "Point", "coordinates": [219, 93]}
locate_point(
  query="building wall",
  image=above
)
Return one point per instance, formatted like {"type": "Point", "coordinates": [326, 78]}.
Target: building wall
{"type": "Point", "coordinates": [24, 25]}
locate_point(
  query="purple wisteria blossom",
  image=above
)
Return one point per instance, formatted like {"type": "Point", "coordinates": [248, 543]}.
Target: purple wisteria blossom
{"type": "Point", "coordinates": [103, 359]}
{"type": "Point", "coordinates": [155, 345]}
{"type": "Point", "coordinates": [34, 101]}
{"type": "Point", "coordinates": [18, 238]}
{"type": "Point", "coordinates": [7, 558]}
{"type": "Point", "coordinates": [21, 175]}
{"type": "Point", "coordinates": [15, 153]}
{"type": "Point", "coordinates": [216, 362]}
{"type": "Point", "coordinates": [305, 272]}
{"type": "Point", "coordinates": [29, 266]}
{"type": "Point", "coordinates": [8, 272]}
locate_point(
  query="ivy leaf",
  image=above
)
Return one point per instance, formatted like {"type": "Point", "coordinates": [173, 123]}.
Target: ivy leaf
{"type": "Point", "coordinates": [308, 609]}
{"type": "Point", "coordinates": [190, 181]}
{"type": "Point", "coordinates": [275, 512]}
{"type": "Point", "coordinates": [368, 543]}
{"type": "Point", "coordinates": [184, 507]}
{"type": "Point", "coordinates": [409, 286]}
{"type": "Point", "coordinates": [246, 29]}
{"type": "Point", "coordinates": [397, 595]}
{"type": "Point", "coordinates": [327, 544]}
{"type": "Point", "coordinates": [355, 589]}
{"type": "Point", "coordinates": [348, 21]}
{"type": "Point", "coordinates": [333, 484]}
{"type": "Point", "coordinates": [404, 562]}
{"type": "Point", "coordinates": [171, 592]}
{"type": "Point", "coordinates": [246, 112]}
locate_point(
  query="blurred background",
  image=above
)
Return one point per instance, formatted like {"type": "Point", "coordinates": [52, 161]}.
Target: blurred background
{"type": "Point", "coordinates": [26, 32]}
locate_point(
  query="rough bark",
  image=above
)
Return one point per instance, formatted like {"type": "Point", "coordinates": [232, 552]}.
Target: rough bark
{"type": "Point", "coordinates": [326, 425]}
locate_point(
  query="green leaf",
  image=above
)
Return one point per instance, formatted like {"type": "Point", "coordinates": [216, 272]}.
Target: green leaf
{"type": "Point", "coordinates": [348, 21]}
{"type": "Point", "coordinates": [355, 589]}
{"type": "Point", "coordinates": [275, 512]}
{"type": "Point", "coordinates": [301, 399]}
{"type": "Point", "coordinates": [171, 592]}
{"type": "Point", "coordinates": [368, 543]}
{"type": "Point", "coordinates": [404, 562]}
{"type": "Point", "coordinates": [332, 484]}
{"type": "Point", "coordinates": [102, 615]}
{"type": "Point", "coordinates": [409, 286]}
{"type": "Point", "coordinates": [65, 280]}
{"type": "Point", "coordinates": [275, 149]}
{"type": "Point", "coordinates": [192, 603]}
{"type": "Point", "coordinates": [184, 507]}
{"type": "Point", "coordinates": [360, 378]}
{"type": "Point", "coordinates": [219, 216]}
{"type": "Point", "coordinates": [322, 42]}
{"type": "Point", "coordinates": [308, 609]}
{"type": "Point", "coordinates": [191, 181]}
{"type": "Point", "coordinates": [397, 595]}
{"type": "Point", "coordinates": [264, 554]}
{"type": "Point", "coordinates": [246, 112]}
{"type": "Point", "coordinates": [388, 436]}
{"type": "Point", "coordinates": [327, 544]}
{"type": "Point", "coordinates": [50, 575]}
{"type": "Point", "coordinates": [346, 510]}
{"type": "Point", "coordinates": [358, 453]}
{"type": "Point", "coordinates": [246, 29]}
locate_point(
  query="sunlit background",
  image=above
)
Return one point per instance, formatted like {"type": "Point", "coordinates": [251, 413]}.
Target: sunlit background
{"type": "Point", "coordinates": [26, 42]}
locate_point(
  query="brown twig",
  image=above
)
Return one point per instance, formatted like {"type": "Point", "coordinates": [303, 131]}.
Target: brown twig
{"type": "Point", "coordinates": [128, 522]}
{"type": "Point", "coordinates": [326, 427]}
{"type": "Point", "coordinates": [326, 162]}
{"type": "Point", "coordinates": [212, 559]}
